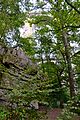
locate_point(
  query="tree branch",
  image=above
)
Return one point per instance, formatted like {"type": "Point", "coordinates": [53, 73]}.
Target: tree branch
{"type": "Point", "coordinates": [72, 6]}
{"type": "Point", "coordinates": [71, 26]}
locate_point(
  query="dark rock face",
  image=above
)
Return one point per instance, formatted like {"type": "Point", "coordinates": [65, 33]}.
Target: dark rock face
{"type": "Point", "coordinates": [15, 71]}
{"type": "Point", "coordinates": [15, 56]}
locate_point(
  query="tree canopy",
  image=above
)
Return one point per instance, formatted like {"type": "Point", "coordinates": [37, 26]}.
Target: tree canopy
{"type": "Point", "coordinates": [44, 66]}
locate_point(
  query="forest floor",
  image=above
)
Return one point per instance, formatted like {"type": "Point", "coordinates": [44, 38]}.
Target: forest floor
{"type": "Point", "coordinates": [52, 114]}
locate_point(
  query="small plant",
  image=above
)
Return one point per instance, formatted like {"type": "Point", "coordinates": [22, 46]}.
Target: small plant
{"type": "Point", "coordinates": [66, 115]}
{"type": "Point", "coordinates": [71, 110]}
{"type": "Point", "coordinates": [4, 113]}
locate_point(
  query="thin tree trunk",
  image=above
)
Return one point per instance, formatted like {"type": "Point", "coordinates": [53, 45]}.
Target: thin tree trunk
{"type": "Point", "coordinates": [59, 73]}
{"type": "Point", "coordinates": [68, 59]}
{"type": "Point", "coordinates": [42, 62]}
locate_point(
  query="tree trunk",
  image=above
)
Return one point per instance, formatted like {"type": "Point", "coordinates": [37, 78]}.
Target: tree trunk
{"type": "Point", "coordinates": [59, 73]}
{"type": "Point", "coordinates": [68, 60]}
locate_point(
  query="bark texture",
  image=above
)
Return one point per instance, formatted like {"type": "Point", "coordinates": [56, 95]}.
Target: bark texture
{"type": "Point", "coordinates": [69, 64]}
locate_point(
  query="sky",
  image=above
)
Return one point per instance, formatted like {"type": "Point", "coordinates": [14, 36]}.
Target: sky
{"type": "Point", "coordinates": [27, 30]}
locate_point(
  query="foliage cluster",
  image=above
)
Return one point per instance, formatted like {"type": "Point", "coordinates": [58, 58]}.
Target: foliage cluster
{"type": "Point", "coordinates": [57, 78]}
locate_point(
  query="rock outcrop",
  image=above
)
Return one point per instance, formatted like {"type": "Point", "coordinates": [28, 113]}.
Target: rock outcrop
{"type": "Point", "coordinates": [17, 73]}
{"type": "Point", "coordinates": [20, 81]}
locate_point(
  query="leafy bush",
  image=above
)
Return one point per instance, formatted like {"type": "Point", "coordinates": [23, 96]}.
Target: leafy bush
{"type": "Point", "coordinates": [4, 113]}
{"type": "Point", "coordinates": [20, 114]}
{"type": "Point", "coordinates": [74, 104]}
{"type": "Point", "coordinates": [66, 115]}
{"type": "Point", "coordinates": [71, 110]}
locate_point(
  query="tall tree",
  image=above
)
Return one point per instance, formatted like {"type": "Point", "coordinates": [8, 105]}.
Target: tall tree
{"type": "Point", "coordinates": [58, 24]}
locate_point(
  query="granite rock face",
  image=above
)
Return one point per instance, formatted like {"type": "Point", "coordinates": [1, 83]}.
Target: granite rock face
{"type": "Point", "coordinates": [14, 56]}
{"type": "Point", "coordinates": [16, 69]}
